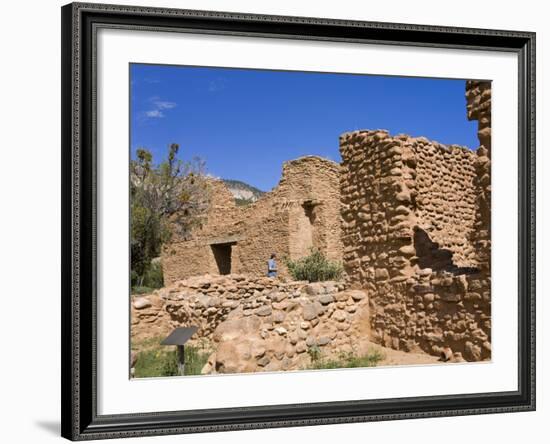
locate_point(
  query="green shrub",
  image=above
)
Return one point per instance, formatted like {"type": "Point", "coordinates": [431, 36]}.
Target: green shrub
{"type": "Point", "coordinates": [142, 290]}
{"type": "Point", "coordinates": [195, 360]}
{"type": "Point", "coordinates": [314, 268]}
{"type": "Point", "coordinates": [314, 353]}
{"type": "Point", "coordinates": [157, 362]}
{"type": "Point", "coordinates": [153, 277]}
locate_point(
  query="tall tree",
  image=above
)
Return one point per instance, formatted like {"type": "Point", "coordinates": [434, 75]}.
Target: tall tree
{"type": "Point", "coordinates": [165, 199]}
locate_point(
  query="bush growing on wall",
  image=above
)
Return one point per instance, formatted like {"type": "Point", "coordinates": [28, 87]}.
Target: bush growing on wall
{"type": "Point", "coordinates": [314, 268]}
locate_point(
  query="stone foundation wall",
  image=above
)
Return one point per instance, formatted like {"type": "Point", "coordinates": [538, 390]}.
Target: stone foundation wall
{"type": "Point", "coordinates": [258, 323]}
{"type": "Point", "coordinates": [148, 317]}
{"type": "Point", "coordinates": [431, 311]}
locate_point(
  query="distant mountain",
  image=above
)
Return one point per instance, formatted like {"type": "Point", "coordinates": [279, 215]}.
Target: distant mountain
{"type": "Point", "coordinates": [243, 193]}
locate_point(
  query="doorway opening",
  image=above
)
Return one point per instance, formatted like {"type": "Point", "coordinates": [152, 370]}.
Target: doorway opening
{"type": "Point", "coordinates": [222, 255]}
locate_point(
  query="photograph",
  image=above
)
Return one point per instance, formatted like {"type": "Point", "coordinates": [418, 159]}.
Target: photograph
{"type": "Point", "coordinates": [275, 220]}
{"type": "Point", "coordinates": [285, 221]}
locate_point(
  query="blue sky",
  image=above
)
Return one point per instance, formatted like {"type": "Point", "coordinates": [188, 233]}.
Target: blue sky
{"type": "Point", "coordinates": [246, 123]}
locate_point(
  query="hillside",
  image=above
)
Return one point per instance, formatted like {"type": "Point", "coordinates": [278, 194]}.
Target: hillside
{"type": "Point", "coordinates": [243, 192]}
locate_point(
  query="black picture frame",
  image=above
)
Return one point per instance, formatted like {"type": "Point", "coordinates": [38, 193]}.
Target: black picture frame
{"type": "Point", "coordinates": [80, 420]}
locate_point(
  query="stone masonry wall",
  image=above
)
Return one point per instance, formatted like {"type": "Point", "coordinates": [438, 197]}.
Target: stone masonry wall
{"type": "Point", "coordinates": [258, 323]}
{"type": "Point", "coordinates": [478, 96]}
{"type": "Point", "coordinates": [376, 211]}
{"type": "Point", "coordinates": [302, 212]}
{"type": "Point", "coordinates": [409, 213]}
{"type": "Point", "coordinates": [446, 200]}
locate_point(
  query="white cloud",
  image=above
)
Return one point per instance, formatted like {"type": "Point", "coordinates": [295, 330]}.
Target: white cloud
{"type": "Point", "coordinates": [158, 107]}
{"type": "Point", "coordinates": [164, 105]}
{"type": "Point", "coordinates": [154, 113]}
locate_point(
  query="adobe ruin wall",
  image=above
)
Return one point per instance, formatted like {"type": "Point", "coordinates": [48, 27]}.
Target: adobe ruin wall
{"type": "Point", "coordinates": [301, 212]}
{"type": "Point", "coordinates": [415, 215]}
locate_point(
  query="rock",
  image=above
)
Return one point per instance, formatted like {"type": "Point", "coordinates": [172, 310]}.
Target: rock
{"type": "Point", "coordinates": [301, 347]}
{"type": "Point", "coordinates": [310, 341]}
{"type": "Point", "coordinates": [231, 357]}
{"type": "Point", "coordinates": [278, 296]}
{"type": "Point", "coordinates": [311, 310]}
{"type": "Point", "coordinates": [401, 209]}
{"type": "Point", "coordinates": [293, 338]}
{"type": "Point", "coordinates": [278, 317]}
{"type": "Point", "coordinates": [457, 357]}
{"type": "Point", "coordinates": [141, 303]}
{"type": "Point", "coordinates": [323, 340]}
{"type": "Point", "coordinates": [281, 330]}
{"type": "Point", "coordinates": [408, 250]}
{"type": "Point", "coordinates": [290, 352]}
{"type": "Point", "coordinates": [263, 361]}
{"type": "Point", "coordinates": [403, 197]}
{"type": "Point", "coordinates": [422, 288]}
{"type": "Point", "coordinates": [313, 289]}
{"type": "Point", "coordinates": [257, 350]}
{"type": "Point", "coordinates": [234, 329]}
{"type": "Point", "coordinates": [331, 286]}
{"type": "Point", "coordinates": [446, 354]}
{"type": "Point", "coordinates": [342, 296]}
{"type": "Point", "coordinates": [230, 304]}
{"type": "Point", "coordinates": [263, 311]}
{"type": "Point", "coordinates": [446, 281]}
{"type": "Point", "coordinates": [202, 300]}
{"type": "Point", "coordinates": [213, 301]}
{"type": "Point", "coordinates": [428, 298]}
{"type": "Point", "coordinates": [326, 299]}
{"type": "Point", "coordinates": [472, 296]}
{"type": "Point", "coordinates": [485, 132]}
{"type": "Point", "coordinates": [381, 274]}
{"type": "Point", "coordinates": [450, 297]}
{"type": "Point", "coordinates": [357, 295]}
{"type": "Point", "coordinates": [340, 315]}
{"type": "Point", "coordinates": [211, 311]}
{"type": "Point", "coordinates": [472, 352]}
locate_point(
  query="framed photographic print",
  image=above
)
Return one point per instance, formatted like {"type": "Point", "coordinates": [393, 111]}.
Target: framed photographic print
{"type": "Point", "coordinates": [278, 221]}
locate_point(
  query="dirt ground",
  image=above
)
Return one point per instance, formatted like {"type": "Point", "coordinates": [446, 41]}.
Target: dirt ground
{"type": "Point", "coordinates": [395, 357]}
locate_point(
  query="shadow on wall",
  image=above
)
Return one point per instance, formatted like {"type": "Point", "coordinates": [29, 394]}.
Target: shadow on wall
{"type": "Point", "coordinates": [438, 259]}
